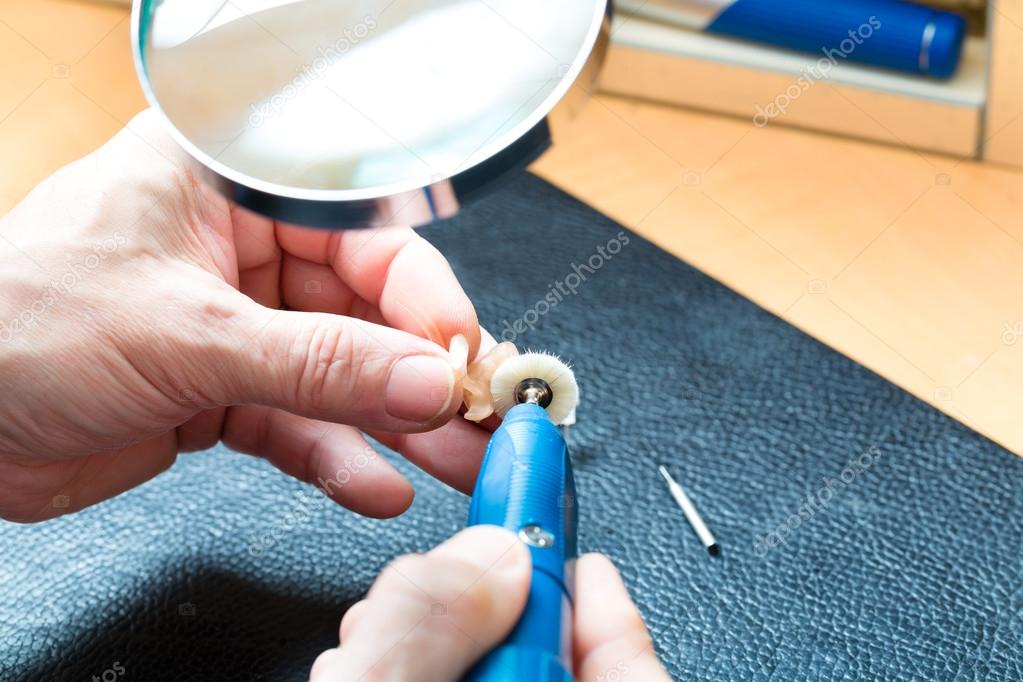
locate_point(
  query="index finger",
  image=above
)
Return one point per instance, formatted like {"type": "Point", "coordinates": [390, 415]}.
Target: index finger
{"type": "Point", "coordinates": [394, 269]}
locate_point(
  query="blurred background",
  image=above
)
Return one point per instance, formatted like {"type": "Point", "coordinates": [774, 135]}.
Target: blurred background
{"type": "Point", "coordinates": [878, 209]}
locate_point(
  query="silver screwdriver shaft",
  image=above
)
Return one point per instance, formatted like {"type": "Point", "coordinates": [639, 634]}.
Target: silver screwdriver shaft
{"type": "Point", "coordinates": [693, 516]}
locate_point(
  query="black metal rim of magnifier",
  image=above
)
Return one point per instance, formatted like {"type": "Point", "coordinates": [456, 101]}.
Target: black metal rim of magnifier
{"type": "Point", "coordinates": [416, 207]}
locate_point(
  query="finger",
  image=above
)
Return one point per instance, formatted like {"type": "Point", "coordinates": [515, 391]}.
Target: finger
{"type": "Point", "coordinates": [490, 424]}
{"type": "Point", "coordinates": [610, 637]}
{"type": "Point", "coordinates": [397, 271]}
{"type": "Point", "coordinates": [258, 256]}
{"type": "Point", "coordinates": [262, 283]}
{"type": "Point", "coordinates": [351, 618]}
{"type": "Point", "coordinates": [334, 458]}
{"type": "Point", "coordinates": [329, 666]}
{"type": "Point", "coordinates": [202, 431]}
{"type": "Point", "coordinates": [36, 492]}
{"type": "Point", "coordinates": [312, 287]}
{"type": "Point", "coordinates": [430, 617]}
{"type": "Point", "coordinates": [333, 368]}
{"type": "Point", "coordinates": [452, 453]}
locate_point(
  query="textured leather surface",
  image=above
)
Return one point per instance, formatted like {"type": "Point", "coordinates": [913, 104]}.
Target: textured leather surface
{"type": "Point", "coordinates": [912, 569]}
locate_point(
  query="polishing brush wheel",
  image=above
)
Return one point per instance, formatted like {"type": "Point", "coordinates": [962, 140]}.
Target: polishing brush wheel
{"type": "Point", "coordinates": [530, 374]}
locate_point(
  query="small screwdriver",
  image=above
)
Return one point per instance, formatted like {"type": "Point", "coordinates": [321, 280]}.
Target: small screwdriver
{"type": "Point", "coordinates": [689, 509]}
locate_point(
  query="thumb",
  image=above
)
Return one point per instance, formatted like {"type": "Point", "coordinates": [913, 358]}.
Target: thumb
{"type": "Point", "coordinates": [429, 617]}
{"type": "Point", "coordinates": [341, 369]}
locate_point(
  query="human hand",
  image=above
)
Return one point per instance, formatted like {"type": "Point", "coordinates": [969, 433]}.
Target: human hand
{"type": "Point", "coordinates": [142, 315]}
{"type": "Point", "coordinates": [430, 617]}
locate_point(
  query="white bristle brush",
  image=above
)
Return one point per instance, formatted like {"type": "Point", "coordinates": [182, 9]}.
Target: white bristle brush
{"type": "Point", "coordinates": [536, 365]}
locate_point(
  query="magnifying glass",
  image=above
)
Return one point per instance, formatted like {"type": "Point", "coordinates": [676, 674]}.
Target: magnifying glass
{"type": "Point", "coordinates": [359, 113]}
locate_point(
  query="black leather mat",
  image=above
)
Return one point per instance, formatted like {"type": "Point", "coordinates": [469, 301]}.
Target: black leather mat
{"type": "Point", "coordinates": [865, 535]}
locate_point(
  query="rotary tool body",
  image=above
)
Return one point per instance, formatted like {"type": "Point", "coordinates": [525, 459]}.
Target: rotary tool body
{"type": "Point", "coordinates": [526, 485]}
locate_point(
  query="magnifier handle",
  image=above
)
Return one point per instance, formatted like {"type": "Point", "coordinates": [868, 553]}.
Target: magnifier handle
{"type": "Point", "coordinates": [526, 485]}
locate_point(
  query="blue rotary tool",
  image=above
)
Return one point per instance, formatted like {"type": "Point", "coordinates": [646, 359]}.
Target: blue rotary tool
{"type": "Point", "coordinates": [525, 484]}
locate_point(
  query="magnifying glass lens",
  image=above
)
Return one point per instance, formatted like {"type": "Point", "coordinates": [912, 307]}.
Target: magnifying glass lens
{"type": "Point", "coordinates": [370, 96]}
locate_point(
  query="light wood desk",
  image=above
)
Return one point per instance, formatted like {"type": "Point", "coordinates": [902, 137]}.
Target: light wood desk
{"type": "Point", "coordinates": [908, 263]}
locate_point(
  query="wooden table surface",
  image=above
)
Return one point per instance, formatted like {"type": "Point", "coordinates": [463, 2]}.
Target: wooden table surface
{"type": "Point", "coordinates": [908, 263]}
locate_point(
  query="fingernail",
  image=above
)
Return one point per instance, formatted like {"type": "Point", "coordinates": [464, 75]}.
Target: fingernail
{"type": "Point", "coordinates": [419, 388]}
